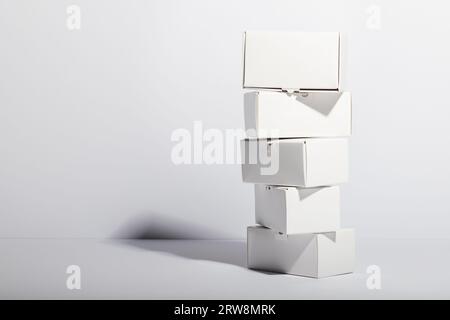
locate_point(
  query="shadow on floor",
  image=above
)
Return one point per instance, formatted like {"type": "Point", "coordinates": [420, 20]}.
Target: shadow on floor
{"type": "Point", "coordinates": [224, 251]}
{"type": "Point", "coordinates": [139, 230]}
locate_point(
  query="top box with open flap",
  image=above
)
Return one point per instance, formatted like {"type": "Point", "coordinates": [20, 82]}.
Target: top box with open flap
{"type": "Point", "coordinates": [292, 61]}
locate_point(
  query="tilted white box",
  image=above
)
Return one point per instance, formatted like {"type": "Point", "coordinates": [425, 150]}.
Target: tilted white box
{"type": "Point", "coordinates": [282, 115]}
{"type": "Point", "coordinates": [292, 61]}
{"type": "Point", "coordinates": [292, 210]}
{"type": "Point", "coordinates": [295, 162]}
{"type": "Point", "coordinates": [315, 255]}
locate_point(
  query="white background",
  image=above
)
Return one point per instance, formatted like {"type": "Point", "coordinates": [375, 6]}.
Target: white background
{"type": "Point", "coordinates": [86, 116]}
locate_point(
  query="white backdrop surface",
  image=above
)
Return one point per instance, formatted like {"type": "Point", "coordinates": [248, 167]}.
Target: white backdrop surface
{"type": "Point", "coordinates": [86, 116]}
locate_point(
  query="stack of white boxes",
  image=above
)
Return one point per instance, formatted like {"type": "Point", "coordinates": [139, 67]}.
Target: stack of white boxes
{"type": "Point", "coordinates": [300, 120]}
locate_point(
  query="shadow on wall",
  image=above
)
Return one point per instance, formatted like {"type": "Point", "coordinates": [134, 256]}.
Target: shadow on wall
{"type": "Point", "coordinates": [143, 228]}
{"type": "Point", "coordinates": [163, 227]}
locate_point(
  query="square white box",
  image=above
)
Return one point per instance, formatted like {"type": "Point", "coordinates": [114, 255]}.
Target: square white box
{"type": "Point", "coordinates": [295, 162]}
{"type": "Point", "coordinates": [292, 61]}
{"type": "Point", "coordinates": [314, 255]}
{"type": "Point", "coordinates": [293, 210]}
{"type": "Point", "coordinates": [282, 115]}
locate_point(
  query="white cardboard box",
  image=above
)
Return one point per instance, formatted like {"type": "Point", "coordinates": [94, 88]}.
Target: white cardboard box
{"type": "Point", "coordinates": [292, 210]}
{"type": "Point", "coordinates": [292, 61]}
{"type": "Point", "coordinates": [315, 255]}
{"type": "Point", "coordinates": [282, 115]}
{"type": "Point", "coordinates": [295, 162]}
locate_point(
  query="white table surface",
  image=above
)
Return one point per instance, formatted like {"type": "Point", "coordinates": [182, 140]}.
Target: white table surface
{"type": "Point", "coordinates": [210, 269]}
